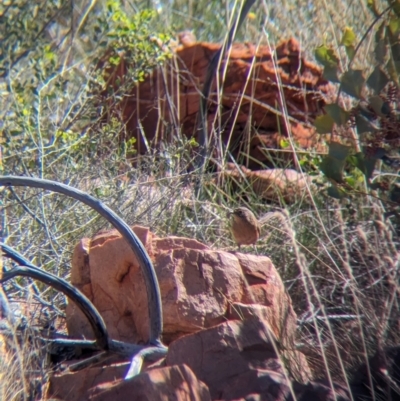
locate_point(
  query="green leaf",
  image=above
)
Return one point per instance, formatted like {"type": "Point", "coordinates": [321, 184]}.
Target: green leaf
{"type": "Point", "coordinates": [369, 165]}
{"type": "Point", "coordinates": [332, 168]}
{"type": "Point", "coordinates": [352, 82]}
{"type": "Point", "coordinates": [351, 181]}
{"type": "Point", "coordinates": [380, 44]}
{"type": "Point", "coordinates": [331, 74]}
{"type": "Point", "coordinates": [114, 60]}
{"type": "Point", "coordinates": [348, 38]}
{"type": "Point", "coordinates": [396, 7]}
{"type": "Point", "coordinates": [363, 125]}
{"type": "Point", "coordinates": [394, 26]}
{"type": "Point", "coordinates": [338, 151]}
{"type": "Point", "coordinates": [326, 56]}
{"type": "Point", "coordinates": [339, 115]}
{"type": "Point", "coordinates": [378, 79]}
{"type": "Point", "coordinates": [48, 54]}
{"type": "Point", "coordinates": [376, 103]}
{"type": "Point", "coordinates": [131, 142]}
{"type": "Point", "coordinates": [350, 51]}
{"type": "Point", "coordinates": [335, 192]}
{"type": "Point", "coordinates": [98, 192]}
{"type": "Point", "coordinates": [365, 164]}
{"type": "Point", "coordinates": [324, 124]}
{"type": "Point", "coordinates": [192, 142]}
{"type": "Point", "coordinates": [333, 164]}
{"type": "Point", "coordinates": [284, 143]}
{"type": "Point", "coordinates": [394, 45]}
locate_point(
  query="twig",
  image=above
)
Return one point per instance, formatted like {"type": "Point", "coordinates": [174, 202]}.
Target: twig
{"type": "Point", "coordinates": [211, 71]}
{"type": "Point", "coordinates": [29, 270]}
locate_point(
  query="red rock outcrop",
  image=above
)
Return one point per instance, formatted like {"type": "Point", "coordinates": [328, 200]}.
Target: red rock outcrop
{"type": "Point", "coordinates": [234, 359]}
{"type": "Point", "coordinates": [228, 321]}
{"type": "Point", "coordinates": [198, 285]}
{"type": "Point", "coordinates": [255, 88]}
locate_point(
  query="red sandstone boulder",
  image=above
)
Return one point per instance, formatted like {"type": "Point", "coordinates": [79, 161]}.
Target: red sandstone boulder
{"type": "Point", "coordinates": [250, 80]}
{"type": "Point", "coordinates": [236, 358]}
{"type": "Point", "coordinates": [107, 272]}
{"type": "Point", "coordinates": [198, 286]}
{"type": "Point", "coordinates": [272, 184]}
{"type": "Point", "coordinates": [226, 316]}
{"type": "Point", "coordinates": [295, 361]}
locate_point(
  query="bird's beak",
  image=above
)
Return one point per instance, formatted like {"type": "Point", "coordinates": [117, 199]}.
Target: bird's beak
{"type": "Point", "coordinates": [229, 213]}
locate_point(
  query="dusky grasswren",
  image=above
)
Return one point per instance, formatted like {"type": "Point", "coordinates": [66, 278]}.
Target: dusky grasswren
{"type": "Point", "coordinates": [244, 226]}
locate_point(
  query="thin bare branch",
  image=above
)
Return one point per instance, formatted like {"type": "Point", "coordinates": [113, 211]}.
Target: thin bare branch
{"type": "Point", "coordinates": [150, 278]}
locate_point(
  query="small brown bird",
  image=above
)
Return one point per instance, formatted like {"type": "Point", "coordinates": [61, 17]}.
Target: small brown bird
{"type": "Point", "coordinates": [244, 226]}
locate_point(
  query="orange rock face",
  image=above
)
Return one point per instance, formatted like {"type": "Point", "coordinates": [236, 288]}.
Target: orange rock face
{"type": "Point", "coordinates": [252, 92]}
{"type": "Point", "coordinates": [198, 285]}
